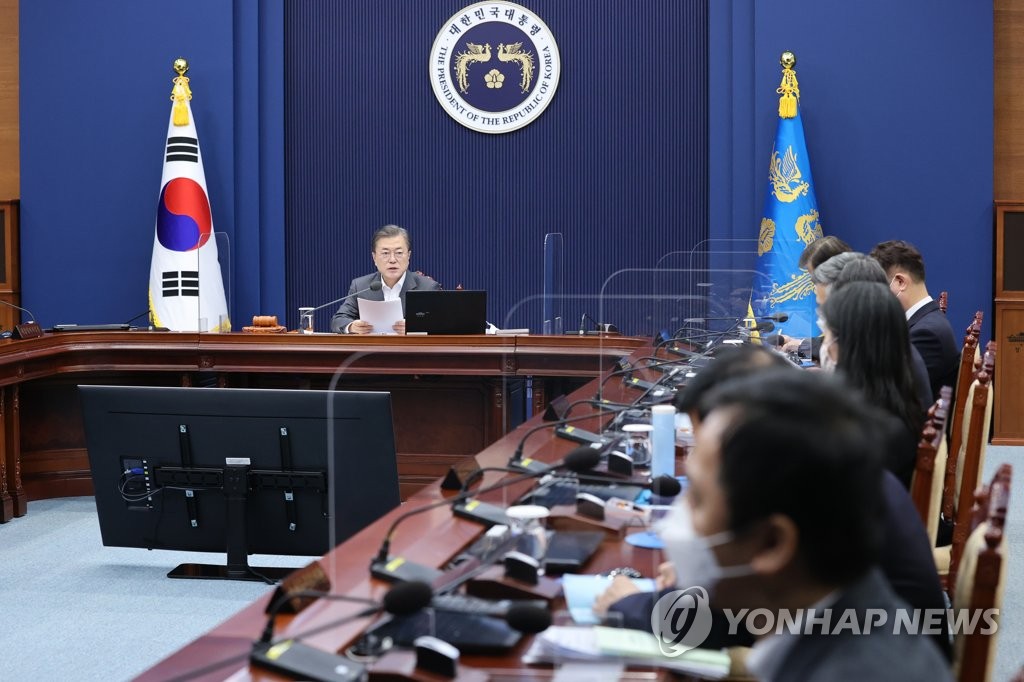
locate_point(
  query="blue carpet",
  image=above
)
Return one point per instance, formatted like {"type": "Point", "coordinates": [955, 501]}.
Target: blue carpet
{"type": "Point", "coordinates": [76, 610]}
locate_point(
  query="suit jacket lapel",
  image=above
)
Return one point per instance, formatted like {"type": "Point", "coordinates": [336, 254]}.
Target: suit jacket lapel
{"type": "Point", "coordinates": [921, 312]}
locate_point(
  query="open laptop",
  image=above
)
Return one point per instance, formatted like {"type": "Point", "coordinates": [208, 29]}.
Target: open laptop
{"type": "Point", "coordinates": [445, 312]}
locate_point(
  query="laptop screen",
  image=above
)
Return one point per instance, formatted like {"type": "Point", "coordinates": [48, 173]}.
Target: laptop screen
{"type": "Point", "coordinates": [446, 312]}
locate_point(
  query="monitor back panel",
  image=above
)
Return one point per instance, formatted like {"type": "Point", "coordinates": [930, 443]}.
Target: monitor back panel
{"type": "Point", "coordinates": [446, 312]}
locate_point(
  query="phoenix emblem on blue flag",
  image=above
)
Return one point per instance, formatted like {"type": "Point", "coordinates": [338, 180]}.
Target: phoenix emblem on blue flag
{"type": "Point", "coordinates": [790, 221]}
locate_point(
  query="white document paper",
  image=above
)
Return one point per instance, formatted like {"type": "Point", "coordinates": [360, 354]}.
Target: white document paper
{"type": "Point", "coordinates": [381, 314]}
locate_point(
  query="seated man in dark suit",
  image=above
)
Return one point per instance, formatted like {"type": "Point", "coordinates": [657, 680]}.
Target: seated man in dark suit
{"type": "Point", "coordinates": [391, 252]}
{"type": "Point", "coordinates": [930, 332]}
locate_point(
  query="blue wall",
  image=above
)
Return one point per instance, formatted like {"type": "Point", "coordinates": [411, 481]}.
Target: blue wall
{"type": "Point", "coordinates": [897, 104]}
{"type": "Point", "coordinates": [95, 86]}
{"type": "Point", "coordinates": [617, 162]}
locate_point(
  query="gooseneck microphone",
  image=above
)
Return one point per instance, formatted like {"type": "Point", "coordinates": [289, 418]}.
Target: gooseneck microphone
{"type": "Point", "coordinates": [774, 317]}
{"type": "Point", "coordinates": [268, 629]}
{"type": "Point", "coordinates": [517, 456]}
{"type": "Point", "coordinates": [578, 460]}
{"type": "Point", "coordinates": [301, 661]}
{"type": "Point", "coordinates": [31, 317]}
{"type": "Point", "coordinates": [375, 285]}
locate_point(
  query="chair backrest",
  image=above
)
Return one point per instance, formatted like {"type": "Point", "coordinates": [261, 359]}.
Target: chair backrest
{"type": "Point", "coordinates": [980, 583]}
{"type": "Point", "coordinates": [930, 466]}
{"type": "Point", "coordinates": [972, 457]}
{"type": "Point", "coordinates": [963, 381]}
{"type": "Point", "coordinates": [943, 301]}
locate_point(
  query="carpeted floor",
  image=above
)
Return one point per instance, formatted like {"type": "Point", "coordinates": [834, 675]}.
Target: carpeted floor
{"type": "Point", "coordinates": [76, 610]}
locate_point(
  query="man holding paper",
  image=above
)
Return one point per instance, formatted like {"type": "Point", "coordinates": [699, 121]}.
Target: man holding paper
{"type": "Point", "coordinates": [391, 252]}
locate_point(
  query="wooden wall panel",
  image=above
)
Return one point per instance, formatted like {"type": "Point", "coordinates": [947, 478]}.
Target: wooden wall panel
{"type": "Point", "coordinates": [9, 166]}
{"type": "Point", "coordinates": [1009, 96]}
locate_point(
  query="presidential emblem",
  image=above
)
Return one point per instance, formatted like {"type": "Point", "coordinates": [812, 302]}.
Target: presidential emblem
{"type": "Point", "coordinates": [494, 67]}
{"type": "Point", "coordinates": [808, 227]}
{"type": "Point", "coordinates": [798, 287]}
{"type": "Point", "coordinates": [787, 180]}
{"type": "Point", "coordinates": [767, 237]}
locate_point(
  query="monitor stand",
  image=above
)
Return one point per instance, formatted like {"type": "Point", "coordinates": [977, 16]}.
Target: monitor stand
{"type": "Point", "coordinates": [236, 487]}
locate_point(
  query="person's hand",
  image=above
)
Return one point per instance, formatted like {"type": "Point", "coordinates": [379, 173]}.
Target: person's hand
{"type": "Point", "coordinates": [666, 576]}
{"type": "Point", "coordinates": [399, 327]}
{"type": "Point", "coordinates": [621, 586]}
{"type": "Point", "coordinates": [360, 327]}
{"type": "Point", "coordinates": [792, 345]}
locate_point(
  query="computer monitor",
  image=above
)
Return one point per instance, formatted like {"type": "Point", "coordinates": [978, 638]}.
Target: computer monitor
{"type": "Point", "coordinates": [435, 311]}
{"type": "Point", "coordinates": [242, 471]}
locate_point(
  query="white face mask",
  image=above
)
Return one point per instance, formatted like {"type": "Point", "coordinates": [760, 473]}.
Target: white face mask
{"type": "Point", "coordinates": [691, 554]}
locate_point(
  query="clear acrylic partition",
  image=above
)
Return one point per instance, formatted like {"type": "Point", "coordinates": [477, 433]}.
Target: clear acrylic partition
{"type": "Point", "coordinates": [213, 305]}
{"type": "Point", "coordinates": [552, 318]}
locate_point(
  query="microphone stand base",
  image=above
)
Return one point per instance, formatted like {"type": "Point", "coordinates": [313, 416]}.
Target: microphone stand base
{"type": "Point", "coordinates": [400, 666]}
{"type": "Point", "coordinates": [303, 662]}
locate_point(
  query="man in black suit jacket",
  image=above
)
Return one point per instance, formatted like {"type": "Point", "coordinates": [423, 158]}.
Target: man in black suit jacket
{"type": "Point", "coordinates": [391, 251]}
{"type": "Point", "coordinates": [930, 331]}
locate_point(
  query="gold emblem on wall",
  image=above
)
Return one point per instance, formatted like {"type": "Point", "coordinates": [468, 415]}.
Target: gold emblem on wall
{"type": "Point", "coordinates": [796, 288]}
{"type": "Point", "coordinates": [808, 228]}
{"type": "Point", "coordinates": [514, 53]}
{"type": "Point", "coordinates": [767, 236]}
{"type": "Point", "coordinates": [786, 177]}
{"type": "Point", "coordinates": [474, 53]}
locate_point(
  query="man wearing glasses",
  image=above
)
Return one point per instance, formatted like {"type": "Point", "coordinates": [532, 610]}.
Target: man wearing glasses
{"type": "Point", "coordinates": [391, 253]}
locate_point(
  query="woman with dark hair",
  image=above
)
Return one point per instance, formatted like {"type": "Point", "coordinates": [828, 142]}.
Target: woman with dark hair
{"type": "Point", "coordinates": [868, 344]}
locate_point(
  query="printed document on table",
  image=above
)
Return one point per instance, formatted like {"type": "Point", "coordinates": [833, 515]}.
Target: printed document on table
{"type": "Point", "coordinates": [381, 314]}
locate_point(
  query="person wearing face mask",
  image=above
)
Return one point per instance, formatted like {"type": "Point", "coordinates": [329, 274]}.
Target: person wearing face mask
{"type": "Point", "coordinates": [867, 343]}
{"type": "Point", "coordinates": [930, 331]}
{"type": "Point", "coordinates": [785, 509]}
{"type": "Point", "coordinates": [906, 557]}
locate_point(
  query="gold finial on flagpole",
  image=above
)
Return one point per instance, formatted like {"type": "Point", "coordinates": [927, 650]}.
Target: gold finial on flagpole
{"type": "Point", "coordinates": [181, 92]}
{"type": "Point", "coordinates": [789, 88]}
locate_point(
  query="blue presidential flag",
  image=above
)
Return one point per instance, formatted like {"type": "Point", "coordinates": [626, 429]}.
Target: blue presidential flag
{"type": "Point", "coordinates": [789, 223]}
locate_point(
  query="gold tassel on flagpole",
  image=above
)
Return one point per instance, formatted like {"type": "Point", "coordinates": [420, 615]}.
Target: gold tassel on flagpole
{"type": "Point", "coordinates": [181, 93]}
{"type": "Point", "coordinates": [789, 88]}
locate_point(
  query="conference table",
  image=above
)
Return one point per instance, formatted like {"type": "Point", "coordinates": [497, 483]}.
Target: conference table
{"type": "Point", "coordinates": [431, 538]}
{"type": "Point", "coordinates": [452, 396]}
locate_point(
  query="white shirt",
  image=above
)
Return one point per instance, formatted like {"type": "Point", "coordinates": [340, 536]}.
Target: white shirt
{"type": "Point", "coordinates": [390, 294]}
{"type": "Point", "coordinates": [917, 306]}
{"type": "Point", "coordinates": [394, 293]}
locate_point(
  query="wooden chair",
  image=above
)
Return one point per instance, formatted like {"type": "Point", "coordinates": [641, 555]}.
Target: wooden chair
{"type": "Point", "coordinates": [968, 363]}
{"type": "Point", "coordinates": [981, 580]}
{"type": "Point", "coordinates": [930, 466]}
{"type": "Point", "coordinates": [968, 357]}
{"type": "Point", "coordinates": [943, 301]}
{"type": "Point", "coordinates": [970, 462]}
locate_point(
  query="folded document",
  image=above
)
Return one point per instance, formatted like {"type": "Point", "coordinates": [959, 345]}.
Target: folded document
{"type": "Point", "coordinates": [633, 647]}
